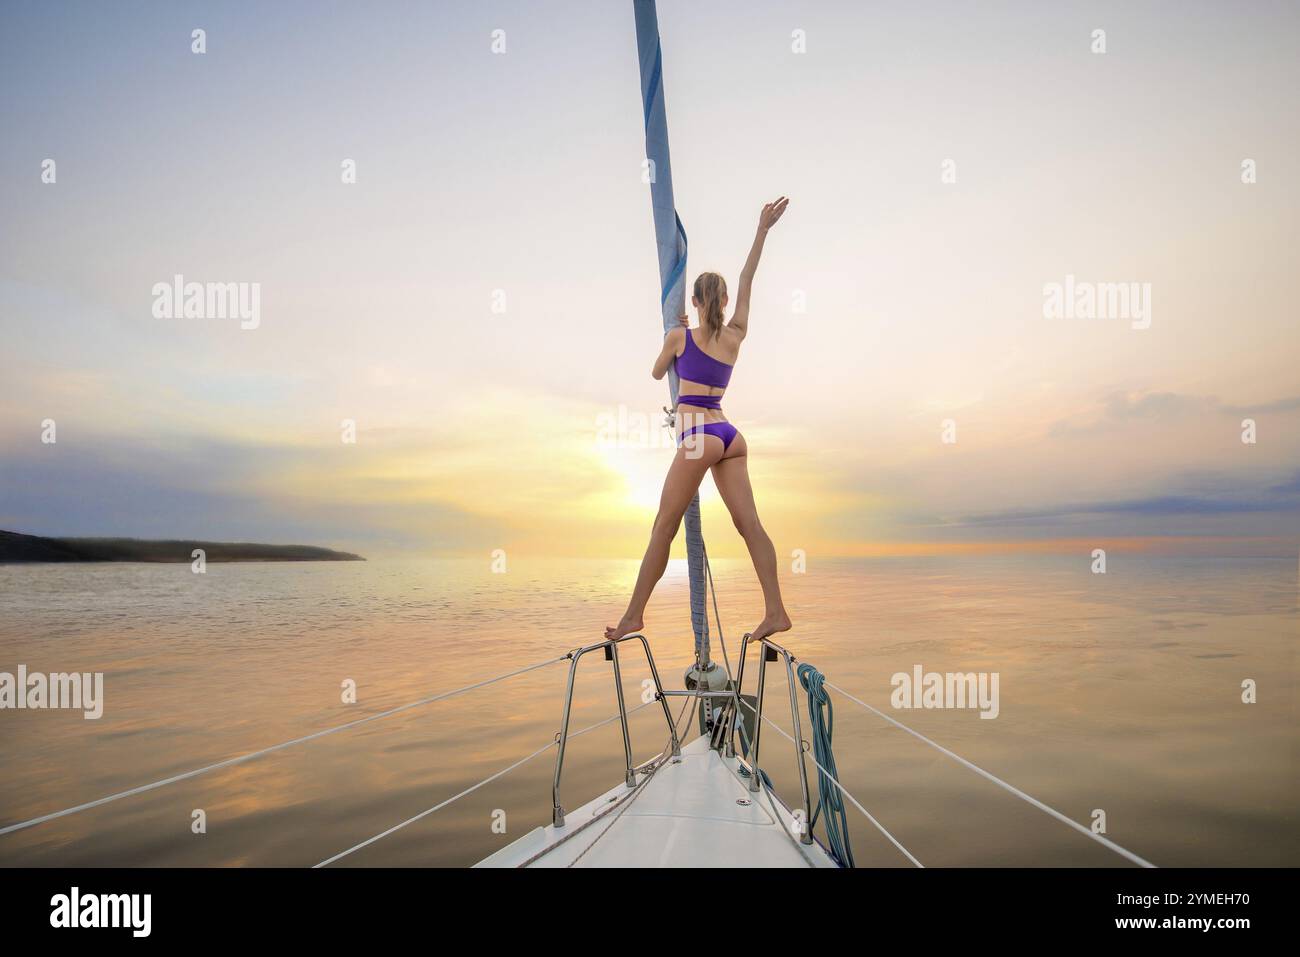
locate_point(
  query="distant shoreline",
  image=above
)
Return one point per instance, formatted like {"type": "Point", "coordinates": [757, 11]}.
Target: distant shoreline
{"type": "Point", "coordinates": [16, 548]}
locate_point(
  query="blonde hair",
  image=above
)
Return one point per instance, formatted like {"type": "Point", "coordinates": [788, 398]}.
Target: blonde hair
{"type": "Point", "coordinates": [710, 290]}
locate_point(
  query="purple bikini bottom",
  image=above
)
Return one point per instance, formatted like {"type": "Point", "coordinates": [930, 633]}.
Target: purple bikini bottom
{"type": "Point", "coordinates": [722, 430]}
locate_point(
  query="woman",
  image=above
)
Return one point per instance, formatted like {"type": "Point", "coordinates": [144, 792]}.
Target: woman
{"type": "Point", "coordinates": [707, 440]}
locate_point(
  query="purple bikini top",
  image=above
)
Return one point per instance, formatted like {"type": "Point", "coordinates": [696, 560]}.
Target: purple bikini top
{"type": "Point", "coordinates": [696, 365]}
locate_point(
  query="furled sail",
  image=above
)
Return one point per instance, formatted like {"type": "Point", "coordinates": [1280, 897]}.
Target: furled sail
{"type": "Point", "coordinates": [671, 239]}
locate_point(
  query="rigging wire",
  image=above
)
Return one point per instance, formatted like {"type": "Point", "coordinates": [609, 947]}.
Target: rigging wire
{"type": "Point", "coordinates": [470, 790]}
{"type": "Point", "coordinates": [230, 762]}
{"type": "Point", "coordinates": [1104, 841]}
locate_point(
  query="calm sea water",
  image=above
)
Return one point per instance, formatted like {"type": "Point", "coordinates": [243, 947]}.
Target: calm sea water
{"type": "Point", "coordinates": [1119, 692]}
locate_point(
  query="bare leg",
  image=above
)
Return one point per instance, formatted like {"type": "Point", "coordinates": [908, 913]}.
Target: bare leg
{"type": "Point", "coordinates": [731, 475]}
{"type": "Point", "coordinates": [684, 477]}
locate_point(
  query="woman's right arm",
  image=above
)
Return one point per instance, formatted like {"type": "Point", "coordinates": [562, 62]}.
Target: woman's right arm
{"type": "Point", "coordinates": [766, 220]}
{"type": "Point", "coordinates": [673, 344]}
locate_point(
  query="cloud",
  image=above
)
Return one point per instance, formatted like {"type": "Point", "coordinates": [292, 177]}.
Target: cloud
{"type": "Point", "coordinates": [1121, 408]}
{"type": "Point", "coordinates": [224, 489]}
{"type": "Point", "coordinates": [1280, 405]}
{"type": "Point", "coordinates": [1230, 498]}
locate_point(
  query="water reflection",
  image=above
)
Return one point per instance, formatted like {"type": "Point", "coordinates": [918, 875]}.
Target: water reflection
{"type": "Point", "coordinates": [1118, 692]}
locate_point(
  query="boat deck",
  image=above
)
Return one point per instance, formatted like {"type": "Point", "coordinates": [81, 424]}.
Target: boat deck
{"type": "Point", "coordinates": [694, 811]}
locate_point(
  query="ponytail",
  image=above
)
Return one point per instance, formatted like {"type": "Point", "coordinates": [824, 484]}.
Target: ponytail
{"type": "Point", "coordinates": [710, 289]}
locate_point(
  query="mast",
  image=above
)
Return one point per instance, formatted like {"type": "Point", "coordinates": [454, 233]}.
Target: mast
{"type": "Point", "coordinates": [671, 239]}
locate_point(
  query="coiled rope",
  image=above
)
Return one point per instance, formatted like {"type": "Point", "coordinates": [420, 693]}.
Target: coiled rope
{"type": "Point", "coordinates": [821, 715]}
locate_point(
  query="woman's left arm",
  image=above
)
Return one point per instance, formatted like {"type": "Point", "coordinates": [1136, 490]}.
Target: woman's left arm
{"type": "Point", "coordinates": [771, 214]}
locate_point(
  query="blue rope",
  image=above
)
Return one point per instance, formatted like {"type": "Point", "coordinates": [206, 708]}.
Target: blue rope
{"type": "Point", "coordinates": [822, 716]}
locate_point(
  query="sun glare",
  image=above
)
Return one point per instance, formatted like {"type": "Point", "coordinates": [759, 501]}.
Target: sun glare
{"type": "Point", "coordinates": [641, 474]}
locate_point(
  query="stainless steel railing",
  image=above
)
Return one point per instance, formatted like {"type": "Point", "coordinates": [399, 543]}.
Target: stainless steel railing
{"type": "Point", "coordinates": [724, 730]}
{"type": "Point", "coordinates": [726, 726]}
{"type": "Point", "coordinates": [611, 654]}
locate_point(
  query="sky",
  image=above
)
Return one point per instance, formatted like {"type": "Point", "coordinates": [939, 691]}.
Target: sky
{"type": "Point", "coordinates": [483, 300]}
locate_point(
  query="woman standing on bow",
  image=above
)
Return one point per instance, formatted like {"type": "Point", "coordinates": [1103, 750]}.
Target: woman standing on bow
{"type": "Point", "coordinates": [704, 358]}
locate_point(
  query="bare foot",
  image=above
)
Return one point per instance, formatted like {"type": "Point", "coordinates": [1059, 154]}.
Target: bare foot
{"type": "Point", "coordinates": [773, 623]}
{"type": "Point", "coordinates": [626, 626]}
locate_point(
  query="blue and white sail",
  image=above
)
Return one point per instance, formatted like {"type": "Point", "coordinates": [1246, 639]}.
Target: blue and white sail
{"type": "Point", "coordinates": [671, 239]}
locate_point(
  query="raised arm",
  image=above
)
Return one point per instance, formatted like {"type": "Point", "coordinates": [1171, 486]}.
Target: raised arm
{"type": "Point", "coordinates": [766, 220]}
